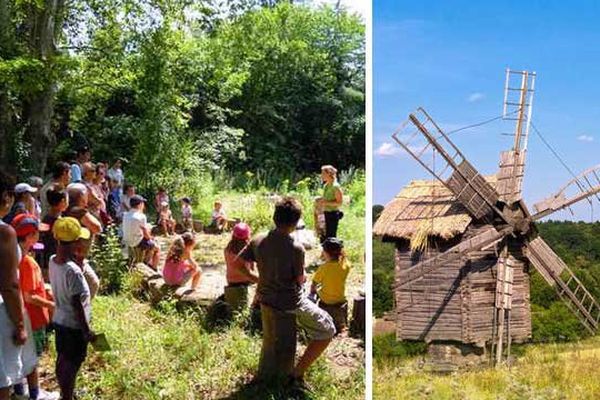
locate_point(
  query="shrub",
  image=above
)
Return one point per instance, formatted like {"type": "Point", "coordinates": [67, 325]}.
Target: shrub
{"type": "Point", "coordinates": [108, 261]}
{"type": "Point", "coordinates": [387, 346]}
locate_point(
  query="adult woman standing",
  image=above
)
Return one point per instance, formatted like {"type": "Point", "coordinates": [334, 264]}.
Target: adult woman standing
{"type": "Point", "coordinates": [331, 201]}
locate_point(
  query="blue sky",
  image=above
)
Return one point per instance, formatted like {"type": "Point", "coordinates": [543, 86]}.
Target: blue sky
{"type": "Point", "coordinates": [450, 57]}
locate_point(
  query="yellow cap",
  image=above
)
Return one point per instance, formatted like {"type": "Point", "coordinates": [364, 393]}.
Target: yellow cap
{"type": "Point", "coordinates": [68, 229]}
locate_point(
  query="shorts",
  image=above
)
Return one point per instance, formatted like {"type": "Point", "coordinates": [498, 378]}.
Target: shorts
{"type": "Point", "coordinates": [16, 362]}
{"type": "Point", "coordinates": [147, 244]}
{"type": "Point", "coordinates": [70, 343]}
{"type": "Point", "coordinates": [40, 340]}
{"type": "Point", "coordinates": [317, 323]}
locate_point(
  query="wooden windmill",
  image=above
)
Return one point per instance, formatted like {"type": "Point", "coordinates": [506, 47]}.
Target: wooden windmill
{"type": "Point", "coordinates": [470, 284]}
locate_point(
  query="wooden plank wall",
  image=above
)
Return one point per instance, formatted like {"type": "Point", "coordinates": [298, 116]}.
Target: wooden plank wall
{"type": "Point", "coordinates": [447, 306]}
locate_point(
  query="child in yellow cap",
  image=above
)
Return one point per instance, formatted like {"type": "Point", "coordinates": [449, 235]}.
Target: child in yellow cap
{"type": "Point", "coordinates": [73, 302]}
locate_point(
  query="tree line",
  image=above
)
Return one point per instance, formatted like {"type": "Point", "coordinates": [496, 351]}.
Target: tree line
{"type": "Point", "coordinates": [181, 88]}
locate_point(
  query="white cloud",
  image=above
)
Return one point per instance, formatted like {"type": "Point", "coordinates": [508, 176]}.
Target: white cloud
{"type": "Point", "coordinates": [473, 97]}
{"type": "Point", "coordinates": [585, 138]}
{"type": "Point", "coordinates": [387, 150]}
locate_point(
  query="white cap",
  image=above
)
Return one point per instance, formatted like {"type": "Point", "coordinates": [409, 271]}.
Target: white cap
{"type": "Point", "coordinates": [164, 204]}
{"type": "Point", "coordinates": [25, 187]}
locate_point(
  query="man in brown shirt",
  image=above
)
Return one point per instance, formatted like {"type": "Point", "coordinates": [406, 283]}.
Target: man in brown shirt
{"type": "Point", "coordinates": [280, 263]}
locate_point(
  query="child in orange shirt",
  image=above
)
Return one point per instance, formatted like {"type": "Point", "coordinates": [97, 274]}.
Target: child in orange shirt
{"type": "Point", "coordinates": [37, 302]}
{"type": "Point", "coordinates": [31, 281]}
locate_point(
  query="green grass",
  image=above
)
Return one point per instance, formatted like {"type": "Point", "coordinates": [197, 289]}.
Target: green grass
{"type": "Point", "coordinates": [544, 371]}
{"type": "Point", "coordinates": [166, 355]}
{"type": "Point", "coordinates": [254, 205]}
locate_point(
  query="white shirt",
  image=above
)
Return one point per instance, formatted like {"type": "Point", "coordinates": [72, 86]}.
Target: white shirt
{"type": "Point", "coordinates": [132, 227]}
{"type": "Point", "coordinates": [75, 173]}
{"type": "Point", "coordinates": [67, 280]}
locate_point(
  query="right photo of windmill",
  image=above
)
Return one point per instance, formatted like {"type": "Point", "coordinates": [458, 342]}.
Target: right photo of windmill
{"type": "Point", "coordinates": [486, 244]}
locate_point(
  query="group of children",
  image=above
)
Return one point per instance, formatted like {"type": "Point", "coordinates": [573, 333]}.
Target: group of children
{"type": "Point", "coordinates": [56, 295]}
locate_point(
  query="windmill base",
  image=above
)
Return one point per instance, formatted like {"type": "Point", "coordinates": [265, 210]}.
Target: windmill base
{"type": "Point", "coordinates": [447, 357]}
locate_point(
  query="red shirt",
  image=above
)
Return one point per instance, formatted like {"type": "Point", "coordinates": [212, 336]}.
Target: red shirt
{"type": "Point", "coordinates": [32, 282]}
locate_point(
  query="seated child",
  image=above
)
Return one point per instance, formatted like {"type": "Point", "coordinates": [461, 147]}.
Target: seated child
{"type": "Point", "coordinates": [331, 277]}
{"type": "Point", "coordinates": [137, 233]}
{"type": "Point", "coordinates": [161, 197]}
{"type": "Point", "coordinates": [165, 219]}
{"type": "Point", "coordinates": [179, 265]}
{"type": "Point", "coordinates": [37, 302]}
{"type": "Point", "coordinates": [219, 218]}
{"type": "Point", "coordinates": [186, 214]}
{"type": "Point", "coordinates": [239, 271]}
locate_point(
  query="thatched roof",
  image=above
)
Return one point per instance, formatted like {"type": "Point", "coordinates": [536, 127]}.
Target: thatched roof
{"type": "Point", "coordinates": [423, 209]}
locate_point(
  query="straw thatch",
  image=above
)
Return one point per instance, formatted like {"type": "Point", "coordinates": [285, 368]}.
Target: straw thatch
{"type": "Point", "coordinates": [421, 210]}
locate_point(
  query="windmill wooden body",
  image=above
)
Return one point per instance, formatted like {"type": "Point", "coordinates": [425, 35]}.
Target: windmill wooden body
{"type": "Point", "coordinates": [465, 243]}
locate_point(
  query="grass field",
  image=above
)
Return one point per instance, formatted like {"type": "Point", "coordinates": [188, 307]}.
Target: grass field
{"type": "Point", "coordinates": [160, 353]}
{"type": "Point", "coordinates": [541, 371]}
{"type": "Point", "coordinates": [166, 355]}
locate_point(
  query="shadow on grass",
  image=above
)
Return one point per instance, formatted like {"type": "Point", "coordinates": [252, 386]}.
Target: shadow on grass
{"type": "Point", "coordinates": [269, 390]}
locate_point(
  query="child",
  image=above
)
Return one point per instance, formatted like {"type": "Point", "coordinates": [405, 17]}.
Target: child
{"type": "Point", "coordinates": [179, 265]}
{"type": "Point", "coordinates": [161, 197]}
{"type": "Point", "coordinates": [128, 193]}
{"type": "Point", "coordinates": [186, 214]}
{"type": "Point", "coordinates": [73, 311]}
{"type": "Point", "coordinates": [165, 219]}
{"type": "Point", "coordinates": [37, 303]}
{"type": "Point", "coordinates": [58, 202]}
{"type": "Point", "coordinates": [239, 271]}
{"type": "Point", "coordinates": [219, 218]}
{"type": "Point", "coordinates": [136, 232]}
{"type": "Point", "coordinates": [331, 276]}
{"type": "Point", "coordinates": [280, 263]}
{"type": "Point", "coordinates": [23, 201]}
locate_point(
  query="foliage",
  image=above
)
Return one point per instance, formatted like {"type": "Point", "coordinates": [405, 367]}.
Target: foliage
{"type": "Point", "coordinates": [383, 276]}
{"type": "Point", "coordinates": [186, 89]}
{"type": "Point", "coordinates": [388, 346]}
{"type": "Point", "coordinates": [107, 260]}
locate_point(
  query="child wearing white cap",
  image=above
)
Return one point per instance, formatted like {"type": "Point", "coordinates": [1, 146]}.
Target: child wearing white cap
{"type": "Point", "coordinates": [23, 201]}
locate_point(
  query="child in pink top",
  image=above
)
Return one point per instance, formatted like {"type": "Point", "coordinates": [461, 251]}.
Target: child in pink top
{"type": "Point", "coordinates": [179, 265]}
{"type": "Point", "coordinates": [239, 271]}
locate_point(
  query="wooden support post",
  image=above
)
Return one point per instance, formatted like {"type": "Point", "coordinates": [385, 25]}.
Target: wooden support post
{"type": "Point", "coordinates": [357, 325]}
{"type": "Point", "coordinates": [278, 351]}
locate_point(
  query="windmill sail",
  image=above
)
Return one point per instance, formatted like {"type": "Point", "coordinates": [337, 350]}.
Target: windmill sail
{"type": "Point", "coordinates": [570, 290]}
{"type": "Point", "coordinates": [518, 104]}
{"type": "Point", "coordinates": [454, 171]}
{"type": "Point", "coordinates": [582, 187]}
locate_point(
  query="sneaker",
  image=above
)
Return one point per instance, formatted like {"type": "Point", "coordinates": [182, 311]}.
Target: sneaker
{"type": "Point", "coordinates": [45, 395]}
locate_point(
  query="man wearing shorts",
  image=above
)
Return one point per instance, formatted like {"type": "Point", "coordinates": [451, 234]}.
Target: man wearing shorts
{"type": "Point", "coordinates": [136, 232]}
{"type": "Point", "coordinates": [280, 263]}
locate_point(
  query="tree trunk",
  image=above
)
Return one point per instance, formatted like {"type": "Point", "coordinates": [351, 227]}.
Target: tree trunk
{"type": "Point", "coordinates": [45, 28]}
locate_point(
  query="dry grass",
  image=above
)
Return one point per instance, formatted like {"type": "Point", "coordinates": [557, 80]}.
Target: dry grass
{"type": "Point", "coordinates": [550, 371]}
